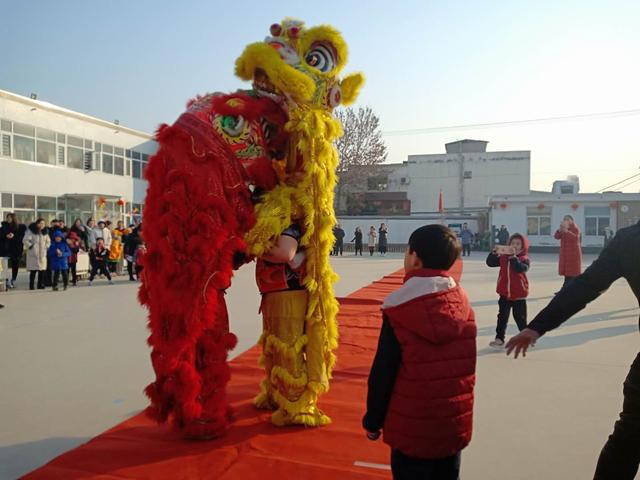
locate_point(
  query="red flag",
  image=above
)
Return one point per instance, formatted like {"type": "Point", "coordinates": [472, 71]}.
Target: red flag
{"type": "Point", "coordinates": [440, 203]}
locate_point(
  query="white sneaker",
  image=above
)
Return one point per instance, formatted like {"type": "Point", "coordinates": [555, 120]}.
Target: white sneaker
{"type": "Point", "coordinates": [110, 282]}
{"type": "Point", "coordinates": [497, 343]}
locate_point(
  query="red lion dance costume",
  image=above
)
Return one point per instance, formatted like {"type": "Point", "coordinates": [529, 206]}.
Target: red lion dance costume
{"type": "Point", "coordinates": [203, 217]}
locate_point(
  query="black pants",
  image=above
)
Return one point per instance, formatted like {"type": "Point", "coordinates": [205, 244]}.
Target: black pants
{"type": "Point", "coordinates": [620, 456]}
{"type": "Point", "coordinates": [337, 248]}
{"type": "Point", "coordinates": [15, 266]}
{"type": "Point", "coordinates": [504, 310]}
{"type": "Point", "coordinates": [466, 249]}
{"type": "Point", "coordinates": [383, 249]}
{"type": "Point", "coordinates": [48, 275]}
{"type": "Point", "coordinates": [65, 277]}
{"type": "Point", "coordinates": [32, 277]}
{"type": "Point", "coordinates": [404, 467]}
{"type": "Point", "coordinates": [359, 249]}
{"type": "Point", "coordinates": [100, 268]}
{"type": "Point", "coordinates": [371, 249]}
{"type": "Point", "coordinates": [130, 270]}
{"type": "Point", "coordinates": [74, 275]}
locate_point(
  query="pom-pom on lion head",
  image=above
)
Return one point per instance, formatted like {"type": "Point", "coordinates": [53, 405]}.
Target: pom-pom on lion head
{"type": "Point", "coordinates": [300, 65]}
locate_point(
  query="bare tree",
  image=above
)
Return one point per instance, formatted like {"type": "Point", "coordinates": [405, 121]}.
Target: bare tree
{"type": "Point", "coordinates": [361, 148]}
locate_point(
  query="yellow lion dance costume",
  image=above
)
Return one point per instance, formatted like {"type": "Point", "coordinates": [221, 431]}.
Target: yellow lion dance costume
{"type": "Point", "coordinates": [299, 67]}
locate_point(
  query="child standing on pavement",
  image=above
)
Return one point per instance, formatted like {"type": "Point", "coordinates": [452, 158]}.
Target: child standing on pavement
{"type": "Point", "coordinates": [423, 375]}
{"type": "Point", "coordinates": [513, 285]}
{"type": "Point", "coordinates": [59, 253]}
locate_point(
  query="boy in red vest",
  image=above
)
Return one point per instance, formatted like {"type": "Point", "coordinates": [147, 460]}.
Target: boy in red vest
{"type": "Point", "coordinates": [513, 285]}
{"type": "Point", "coordinates": [422, 378]}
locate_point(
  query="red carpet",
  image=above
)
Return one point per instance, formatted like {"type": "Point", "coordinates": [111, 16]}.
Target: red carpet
{"type": "Point", "coordinates": [253, 448]}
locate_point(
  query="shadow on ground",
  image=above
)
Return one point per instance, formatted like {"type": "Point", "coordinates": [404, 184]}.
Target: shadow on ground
{"type": "Point", "coordinates": [21, 458]}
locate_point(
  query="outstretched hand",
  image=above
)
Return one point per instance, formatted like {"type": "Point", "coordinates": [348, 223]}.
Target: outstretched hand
{"type": "Point", "coordinates": [521, 342]}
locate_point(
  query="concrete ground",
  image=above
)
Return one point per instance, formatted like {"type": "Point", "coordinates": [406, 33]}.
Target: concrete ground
{"type": "Point", "coordinates": [74, 364]}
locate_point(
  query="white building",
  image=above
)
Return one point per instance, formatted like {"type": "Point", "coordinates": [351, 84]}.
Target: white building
{"type": "Point", "coordinates": [466, 174]}
{"type": "Point", "coordinates": [56, 162]}
{"type": "Point", "coordinates": [539, 214]}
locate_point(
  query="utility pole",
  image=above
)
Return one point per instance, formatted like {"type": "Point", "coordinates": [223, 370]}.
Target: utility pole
{"type": "Point", "coordinates": [461, 175]}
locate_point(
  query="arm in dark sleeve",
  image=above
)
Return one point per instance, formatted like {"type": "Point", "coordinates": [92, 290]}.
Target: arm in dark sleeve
{"type": "Point", "coordinates": [382, 378]}
{"type": "Point", "coordinates": [583, 289]}
{"type": "Point", "coordinates": [493, 260]}
{"type": "Point", "coordinates": [520, 265]}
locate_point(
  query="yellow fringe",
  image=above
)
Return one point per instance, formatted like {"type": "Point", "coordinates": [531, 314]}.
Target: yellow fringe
{"type": "Point", "coordinates": [290, 352]}
{"type": "Point", "coordinates": [282, 374]}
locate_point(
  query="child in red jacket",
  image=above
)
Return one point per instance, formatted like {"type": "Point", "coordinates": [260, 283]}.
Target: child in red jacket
{"type": "Point", "coordinates": [513, 285]}
{"type": "Point", "coordinates": [423, 375]}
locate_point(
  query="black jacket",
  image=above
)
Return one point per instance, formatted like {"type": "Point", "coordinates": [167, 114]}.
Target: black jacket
{"type": "Point", "coordinates": [619, 259]}
{"type": "Point", "coordinates": [132, 242]}
{"type": "Point", "coordinates": [11, 247]}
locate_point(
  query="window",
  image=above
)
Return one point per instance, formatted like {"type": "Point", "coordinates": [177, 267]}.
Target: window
{"type": "Point", "coordinates": [107, 163]}
{"type": "Point", "coordinates": [88, 144]}
{"type": "Point", "coordinates": [538, 221]}
{"type": "Point", "coordinates": [26, 202]}
{"type": "Point", "coordinates": [60, 155]}
{"type": "Point", "coordinates": [7, 200]}
{"type": "Point", "coordinates": [46, 134]}
{"type": "Point", "coordinates": [118, 166]}
{"type": "Point", "coordinates": [5, 125]}
{"type": "Point", "coordinates": [46, 152]}
{"type": "Point", "coordinates": [22, 129]}
{"type": "Point", "coordinates": [136, 171]}
{"type": "Point", "coordinates": [145, 157]}
{"type": "Point", "coordinates": [128, 154]}
{"type": "Point", "coordinates": [135, 155]}
{"type": "Point", "coordinates": [107, 148]}
{"type": "Point", "coordinates": [75, 141]}
{"type": "Point", "coordinates": [24, 148]}
{"type": "Point", "coordinates": [6, 145]}
{"type": "Point", "coordinates": [596, 219]}
{"type": "Point", "coordinates": [98, 147]}
{"type": "Point", "coordinates": [75, 157]}
{"type": "Point", "coordinates": [119, 151]}
{"type": "Point", "coordinates": [377, 183]}
{"type": "Point", "coordinates": [128, 168]}
{"type": "Point", "coordinates": [62, 203]}
{"type": "Point", "coordinates": [46, 203]}
{"type": "Point", "coordinates": [62, 138]}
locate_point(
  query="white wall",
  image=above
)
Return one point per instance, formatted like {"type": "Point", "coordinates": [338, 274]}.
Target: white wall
{"type": "Point", "coordinates": [493, 173]}
{"type": "Point", "coordinates": [399, 228]}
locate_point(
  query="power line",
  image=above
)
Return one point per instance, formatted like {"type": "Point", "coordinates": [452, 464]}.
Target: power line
{"type": "Point", "coordinates": [629, 184]}
{"type": "Point", "coordinates": [473, 126]}
{"type": "Point", "coordinates": [618, 183]}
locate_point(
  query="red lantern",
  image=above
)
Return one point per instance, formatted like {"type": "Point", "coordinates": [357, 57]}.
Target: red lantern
{"type": "Point", "coordinates": [120, 202]}
{"type": "Point", "coordinates": [574, 206]}
{"type": "Point", "coordinates": [503, 206]}
{"type": "Point", "coordinates": [541, 206]}
{"type": "Point", "coordinates": [102, 202]}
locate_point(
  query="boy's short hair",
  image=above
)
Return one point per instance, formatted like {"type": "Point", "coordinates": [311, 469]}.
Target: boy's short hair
{"type": "Point", "coordinates": [436, 246]}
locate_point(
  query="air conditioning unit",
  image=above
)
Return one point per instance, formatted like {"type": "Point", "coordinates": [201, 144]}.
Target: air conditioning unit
{"type": "Point", "coordinates": [405, 181]}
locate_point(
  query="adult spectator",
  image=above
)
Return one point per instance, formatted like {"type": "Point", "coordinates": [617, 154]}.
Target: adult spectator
{"type": "Point", "coordinates": [620, 456]}
{"type": "Point", "coordinates": [11, 248]}
{"type": "Point", "coordinates": [382, 239]}
{"type": "Point", "coordinates": [503, 235]}
{"type": "Point", "coordinates": [570, 261]}
{"type": "Point", "coordinates": [338, 245]}
{"type": "Point", "coordinates": [80, 230]}
{"type": "Point", "coordinates": [131, 244]}
{"type": "Point", "coordinates": [372, 240]}
{"type": "Point", "coordinates": [37, 242]}
{"type": "Point", "coordinates": [357, 237]}
{"type": "Point", "coordinates": [92, 234]}
{"type": "Point", "coordinates": [103, 232]}
{"type": "Point", "coordinates": [466, 238]}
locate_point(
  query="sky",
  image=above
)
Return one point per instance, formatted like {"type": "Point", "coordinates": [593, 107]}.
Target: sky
{"type": "Point", "coordinates": [428, 64]}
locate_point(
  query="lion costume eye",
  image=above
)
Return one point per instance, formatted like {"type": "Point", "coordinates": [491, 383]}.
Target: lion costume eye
{"type": "Point", "coordinates": [233, 126]}
{"type": "Point", "coordinates": [321, 57]}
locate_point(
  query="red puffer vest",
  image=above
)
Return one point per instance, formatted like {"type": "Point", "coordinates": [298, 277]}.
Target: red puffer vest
{"type": "Point", "coordinates": [513, 285]}
{"type": "Point", "coordinates": [430, 414]}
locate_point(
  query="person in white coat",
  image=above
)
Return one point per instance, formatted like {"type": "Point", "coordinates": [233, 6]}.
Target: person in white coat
{"type": "Point", "coordinates": [36, 243]}
{"type": "Point", "coordinates": [104, 233]}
